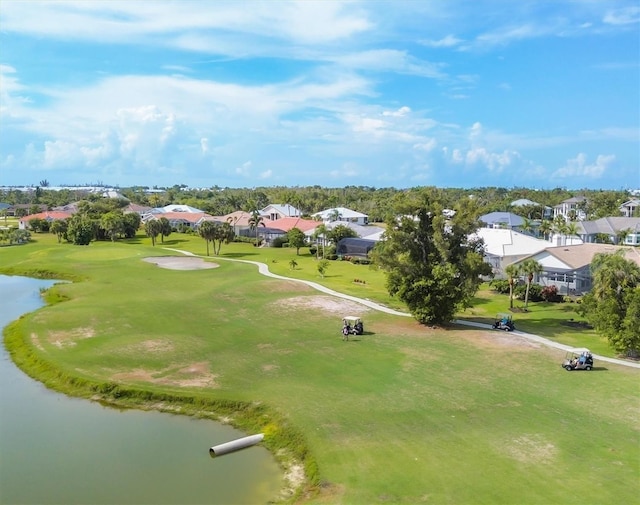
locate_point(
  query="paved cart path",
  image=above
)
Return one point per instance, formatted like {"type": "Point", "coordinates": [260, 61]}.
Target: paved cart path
{"type": "Point", "coordinates": [264, 270]}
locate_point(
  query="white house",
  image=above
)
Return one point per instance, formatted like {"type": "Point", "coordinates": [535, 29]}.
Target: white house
{"type": "Point", "coordinates": [504, 246]}
{"type": "Point", "coordinates": [341, 214]}
{"type": "Point", "coordinates": [628, 208]}
{"type": "Point", "coordinates": [276, 211]}
{"type": "Point", "coordinates": [570, 209]}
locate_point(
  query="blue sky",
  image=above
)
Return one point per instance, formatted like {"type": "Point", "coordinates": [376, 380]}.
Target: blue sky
{"type": "Point", "coordinates": [451, 93]}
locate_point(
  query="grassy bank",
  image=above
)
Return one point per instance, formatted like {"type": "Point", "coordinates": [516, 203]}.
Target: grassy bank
{"type": "Point", "coordinates": [405, 414]}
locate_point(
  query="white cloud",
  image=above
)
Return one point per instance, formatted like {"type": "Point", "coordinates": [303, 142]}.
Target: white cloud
{"type": "Point", "coordinates": [448, 41]}
{"type": "Point", "coordinates": [579, 167]}
{"type": "Point", "coordinates": [402, 111]}
{"type": "Point", "coordinates": [204, 145]}
{"type": "Point", "coordinates": [389, 60]}
{"type": "Point", "coordinates": [427, 146]}
{"type": "Point", "coordinates": [122, 22]}
{"type": "Point", "coordinates": [624, 16]}
{"type": "Point", "coordinates": [244, 169]}
{"type": "Point", "coordinates": [266, 174]}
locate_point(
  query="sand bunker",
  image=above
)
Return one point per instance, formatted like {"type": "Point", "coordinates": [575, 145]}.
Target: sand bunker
{"type": "Point", "coordinates": [180, 262]}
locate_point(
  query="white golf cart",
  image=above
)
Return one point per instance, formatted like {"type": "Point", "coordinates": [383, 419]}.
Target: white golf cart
{"type": "Point", "coordinates": [351, 325]}
{"type": "Point", "coordinates": [578, 359]}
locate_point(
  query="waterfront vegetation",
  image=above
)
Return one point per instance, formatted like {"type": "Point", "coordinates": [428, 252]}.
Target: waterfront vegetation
{"type": "Point", "coordinates": [403, 414]}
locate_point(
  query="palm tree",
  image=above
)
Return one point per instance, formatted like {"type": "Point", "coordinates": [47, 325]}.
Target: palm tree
{"type": "Point", "coordinates": [545, 228]}
{"type": "Point", "coordinates": [165, 228]}
{"type": "Point", "coordinates": [320, 232]}
{"type": "Point", "coordinates": [512, 273]}
{"type": "Point", "coordinates": [152, 229]}
{"type": "Point", "coordinates": [622, 235]}
{"type": "Point", "coordinates": [293, 264]}
{"type": "Point", "coordinates": [255, 221]}
{"type": "Point", "coordinates": [232, 220]}
{"type": "Point", "coordinates": [207, 230]}
{"type": "Point", "coordinates": [526, 226]}
{"type": "Point", "coordinates": [560, 227]}
{"type": "Point", "coordinates": [571, 230]}
{"type": "Point", "coordinates": [529, 268]}
{"type": "Point", "coordinates": [334, 215]}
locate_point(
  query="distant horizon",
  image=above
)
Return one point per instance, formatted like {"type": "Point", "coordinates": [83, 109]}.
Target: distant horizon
{"type": "Point", "coordinates": [20, 187]}
{"type": "Point", "coordinates": [247, 93]}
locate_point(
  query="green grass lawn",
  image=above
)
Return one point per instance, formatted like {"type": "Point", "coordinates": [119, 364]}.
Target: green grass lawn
{"type": "Point", "coordinates": [403, 414]}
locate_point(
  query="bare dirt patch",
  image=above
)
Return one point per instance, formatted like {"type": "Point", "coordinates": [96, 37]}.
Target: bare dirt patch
{"type": "Point", "coordinates": [329, 304]}
{"type": "Point", "coordinates": [276, 286]}
{"type": "Point", "coordinates": [497, 340]}
{"type": "Point", "coordinates": [150, 346]}
{"type": "Point", "coordinates": [181, 262]}
{"type": "Point", "coordinates": [531, 449]}
{"type": "Point", "coordinates": [193, 375]}
{"type": "Point", "coordinates": [68, 338]}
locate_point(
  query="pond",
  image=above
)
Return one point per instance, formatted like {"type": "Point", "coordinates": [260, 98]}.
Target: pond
{"type": "Point", "coordinates": [58, 449]}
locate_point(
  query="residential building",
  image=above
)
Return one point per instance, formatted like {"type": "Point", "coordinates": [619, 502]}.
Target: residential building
{"type": "Point", "coordinates": [545, 211]}
{"type": "Point", "coordinates": [505, 220]}
{"type": "Point", "coordinates": [342, 214]}
{"type": "Point", "coordinates": [277, 211]}
{"type": "Point", "coordinates": [571, 209]}
{"type": "Point", "coordinates": [568, 267]}
{"type": "Point", "coordinates": [628, 208]}
{"type": "Point", "coordinates": [504, 246]}
{"type": "Point", "coordinates": [49, 216]}
{"type": "Point", "coordinates": [612, 228]}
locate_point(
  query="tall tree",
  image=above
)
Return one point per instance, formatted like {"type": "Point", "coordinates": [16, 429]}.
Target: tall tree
{"type": "Point", "coordinates": [338, 232]}
{"type": "Point", "coordinates": [430, 262]}
{"type": "Point", "coordinates": [296, 238]}
{"type": "Point", "coordinates": [152, 229]}
{"type": "Point", "coordinates": [112, 223]}
{"type": "Point", "coordinates": [59, 227]}
{"type": "Point", "coordinates": [529, 268]}
{"type": "Point", "coordinates": [223, 233]}
{"type": "Point", "coordinates": [512, 272]}
{"type": "Point", "coordinates": [613, 304]}
{"type": "Point", "coordinates": [165, 228]}
{"type": "Point", "coordinates": [546, 227]}
{"type": "Point", "coordinates": [207, 230]}
{"type": "Point", "coordinates": [131, 222]}
{"type": "Point", "coordinates": [81, 229]}
{"type": "Point", "coordinates": [255, 221]}
{"type": "Point", "coordinates": [320, 232]}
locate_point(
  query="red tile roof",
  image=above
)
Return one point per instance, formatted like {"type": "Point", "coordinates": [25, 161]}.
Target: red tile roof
{"type": "Point", "coordinates": [287, 223]}
{"type": "Point", "coordinates": [50, 215]}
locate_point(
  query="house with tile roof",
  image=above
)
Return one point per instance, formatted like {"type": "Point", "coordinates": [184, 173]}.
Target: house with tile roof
{"type": "Point", "coordinates": [49, 216]}
{"type": "Point", "coordinates": [568, 267]}
{"type": "Point", "coordinates": [181, 220]}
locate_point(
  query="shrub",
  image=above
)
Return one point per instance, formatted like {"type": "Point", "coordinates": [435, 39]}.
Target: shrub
{"type": "Point", "coordinates": [313, 250]}
{"type": "Point", "coordinates": [550, 294]}
{"type": "Point", "coordinates": [535, 292]}
{"type": "Point", "coordinates": [279, 242]}
{"type": "Point", "coordinates": [500, 285]}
